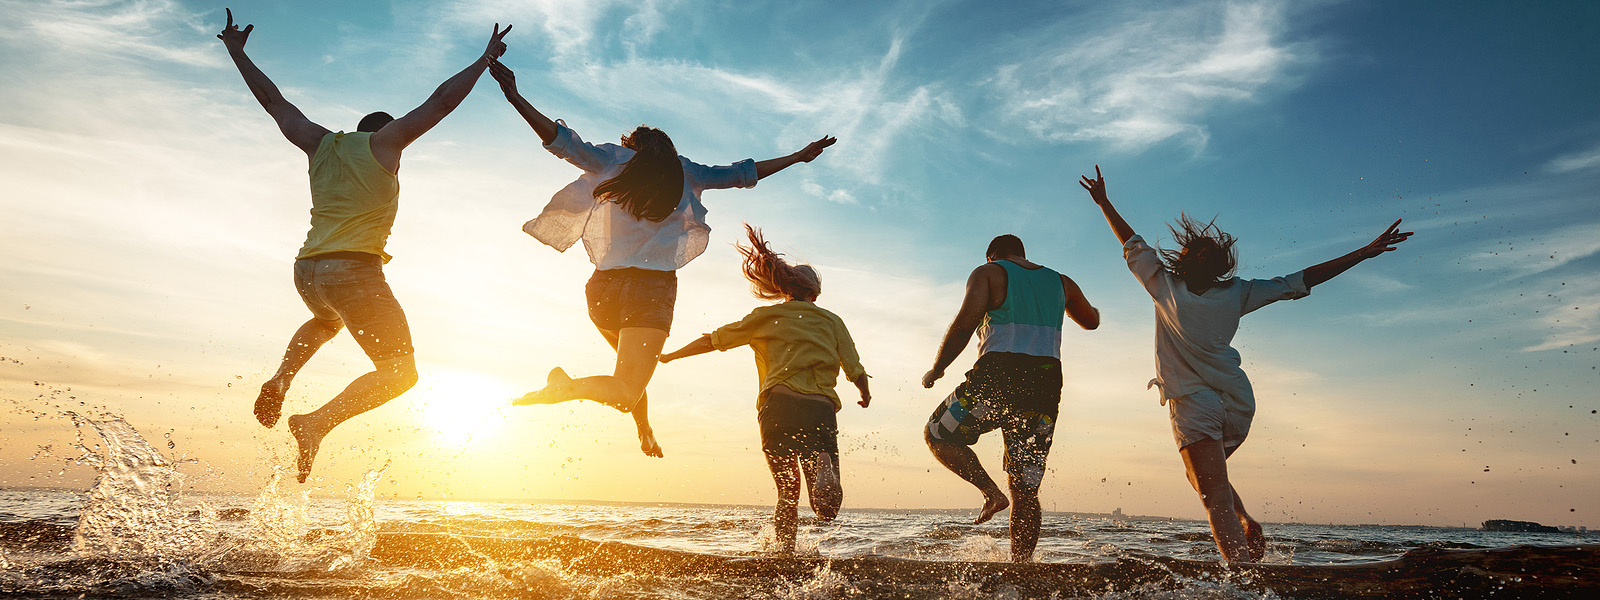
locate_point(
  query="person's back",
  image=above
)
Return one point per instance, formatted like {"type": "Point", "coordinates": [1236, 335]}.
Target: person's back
{"type": "Point", "coordinates": [353, 199]}
{"type": "Point", "coordinates": [797, 344]}
{"type": "Point", "coordinates": [1028, 321]}
{"type": "Point", "coordinates": [1017, 308]}
{"type": "Point", "coordinates": [339, 270]}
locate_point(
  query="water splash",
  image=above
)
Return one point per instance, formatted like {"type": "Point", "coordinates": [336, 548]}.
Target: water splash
{"type": "Point", "coordinates": [134, 512]}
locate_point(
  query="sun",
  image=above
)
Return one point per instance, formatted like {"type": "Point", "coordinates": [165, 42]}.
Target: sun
{"type": "Point", "coordinates": [460, 406]}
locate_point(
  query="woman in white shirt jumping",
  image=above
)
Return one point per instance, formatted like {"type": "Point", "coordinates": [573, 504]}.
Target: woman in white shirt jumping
{"type": "Point", "coordinates": [1198, 306]}
{"type": "Point", "coordinates": [637, 209]}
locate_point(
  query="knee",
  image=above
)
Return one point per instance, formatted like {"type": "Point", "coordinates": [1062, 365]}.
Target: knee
{"type": "Point", "coordinates": [402, 376]}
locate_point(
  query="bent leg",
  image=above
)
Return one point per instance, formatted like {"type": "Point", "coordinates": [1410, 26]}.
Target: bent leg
{"type": "Point", "coordinates": [962, 461]}
{"type": "Point", "coordinates": [391, 378]}
{"type": "Point", "coordinates": [306, 341]}
{"type": "Point", "coordinates": [822, 484]}
{"type": "Point", "coordinates": [637, 348]}
{"type": "Point", "coordinates": [785, 517]}
{"type": "Point", "coordinates": [1207, 467]}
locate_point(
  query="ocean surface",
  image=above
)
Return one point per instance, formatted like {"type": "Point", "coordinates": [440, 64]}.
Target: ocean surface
{"type": "Point", "coordinates": [132, 536]}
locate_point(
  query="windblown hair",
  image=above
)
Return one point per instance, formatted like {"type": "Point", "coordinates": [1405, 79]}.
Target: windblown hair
{"type": "Point", "coordinates": [373, 122]}
{"type": "Point", "coordinates": [771, 277]}
{"type": "Point", "coordinates": [651, 183]}
{"type": "Point", "coordinates": [1205, 258]}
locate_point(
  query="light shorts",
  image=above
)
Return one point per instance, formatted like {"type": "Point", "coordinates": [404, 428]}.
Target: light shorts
{"type": "Point", "coordinates": [1201, 415]}
{"type": "Point", "coordinates": [348, 289]}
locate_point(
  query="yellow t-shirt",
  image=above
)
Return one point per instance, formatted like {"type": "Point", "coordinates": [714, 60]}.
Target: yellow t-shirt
{"type": "Point", "coordinates": [353, 198]}
{"type": "Point", "coordinates": [797, 344]}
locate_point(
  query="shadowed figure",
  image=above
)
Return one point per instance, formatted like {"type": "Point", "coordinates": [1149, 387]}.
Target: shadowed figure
{"type": "Point", "coordinates": [637, 209]}
{"type": "Point", "coordinates": [1198, 306]}
{"type": "Point", "coordinates": [799, 349]}
{"type": "Point", "coordinates": [1017, 308]}
{"type": "Point", "coordinates": [339, 271]}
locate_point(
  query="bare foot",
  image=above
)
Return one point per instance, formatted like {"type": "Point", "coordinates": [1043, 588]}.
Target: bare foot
{"type": "Point", "coordinates": [1255, 538]}
{"type": "Point", "coordinates": [991, 505]}
{"type": "Point", "coordinates": [557, 388]}
{"type": "Point", "coordinates": [269, 405]}
{"type": "Point", "coordinates": [647, 443]}
{"type": "Point", "coordinates": [309, 442]}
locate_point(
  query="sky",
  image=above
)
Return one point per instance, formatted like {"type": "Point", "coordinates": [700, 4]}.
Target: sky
{"type": "Point", "coordinates": [151, 211]}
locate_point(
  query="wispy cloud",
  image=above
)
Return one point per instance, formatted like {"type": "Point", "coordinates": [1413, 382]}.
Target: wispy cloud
{"type": "Point", "coordinates": [1152, 77]}
{"type": "Point", "coordinates": [1576, 161]}
{"type": "Point", "coordinates": [158, 30]}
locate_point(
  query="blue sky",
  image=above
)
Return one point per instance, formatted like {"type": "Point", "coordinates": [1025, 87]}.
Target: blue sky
{"type": "Point", "coordinates": [152, 211]}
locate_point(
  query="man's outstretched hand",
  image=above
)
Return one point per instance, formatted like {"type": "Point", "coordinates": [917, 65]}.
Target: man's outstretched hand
{"type": "Point", "coordinates": [233, 37]}
{"type": "Point", "coordinates": [496, 47]}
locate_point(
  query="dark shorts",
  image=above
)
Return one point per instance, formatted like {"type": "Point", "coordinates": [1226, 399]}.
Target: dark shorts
{"type": "Point", "coordinates": [793, 424]}
{"type": "Point", "coordinates": [631, 297]}
{"type": "Point", "coordinates": [349, 290]}
{"type": "Point", "coordinates": [1018, 394]}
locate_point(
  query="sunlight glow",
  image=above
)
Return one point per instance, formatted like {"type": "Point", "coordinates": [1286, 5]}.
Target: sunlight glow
{"type": "Point", "coordinates": [460, 406]}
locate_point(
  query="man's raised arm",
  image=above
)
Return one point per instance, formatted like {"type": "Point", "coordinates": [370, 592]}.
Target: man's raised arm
{"type": "Point", "coordinates": [398, 134]}
{"type": "Point", "coordinates": [295, 126]}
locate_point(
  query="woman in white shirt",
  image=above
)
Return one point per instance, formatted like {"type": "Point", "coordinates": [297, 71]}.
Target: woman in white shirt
{"type": "Point", "coordinates": [1198, 305]}
{"type": "Point", "coordinates": [637, 209]}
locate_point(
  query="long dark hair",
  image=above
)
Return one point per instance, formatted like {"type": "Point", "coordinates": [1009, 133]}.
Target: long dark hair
{"type": "Point", "coordinates": [771, 277]}
{"type": "Point", "coordinates": [651, 183]}
{"type": "Point", "coordinates": [1205, 258]}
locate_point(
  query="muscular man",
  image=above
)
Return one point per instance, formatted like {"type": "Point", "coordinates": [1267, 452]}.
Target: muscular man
{"type": "Point", "coordinates": [339, 270]}
{"type": "Point", "coordinates": [1016, 307]}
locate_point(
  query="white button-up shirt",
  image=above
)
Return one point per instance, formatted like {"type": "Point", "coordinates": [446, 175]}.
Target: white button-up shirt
{"type": "Point", "coordinates": [615, 238]}
{"type": "Point", "coordinates": [1193, 331]}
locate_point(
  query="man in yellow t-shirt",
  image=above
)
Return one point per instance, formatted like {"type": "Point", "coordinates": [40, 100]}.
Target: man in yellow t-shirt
{"type": "Point", "coordinates": [339, 270]}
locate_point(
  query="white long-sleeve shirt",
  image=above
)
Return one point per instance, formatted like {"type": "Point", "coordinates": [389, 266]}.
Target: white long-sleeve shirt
{"type": "Point", "coordinates": [615, 238]}
{"type": "Point", "coordinates": [1193, 331]}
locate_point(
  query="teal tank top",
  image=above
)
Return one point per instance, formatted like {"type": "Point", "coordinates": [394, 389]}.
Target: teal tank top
{"type": "Point", "coordinates": [1029, 321]}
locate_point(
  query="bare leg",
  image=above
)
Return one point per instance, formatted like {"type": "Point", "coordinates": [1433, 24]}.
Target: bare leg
{"type": "Point", "coordinates": [962, 461]}
{"type": "Point", "coordinates": [392, 378]}
{"type": "Point", "coordinates": [822, 484]}
{"type": "Point", "coordinates": [1025, 519]}
{"type": "Point", "coordinates": [785, 517]}
{"type": "Point", "coordinates": [1207, 467]}
{"type": "Point", "coordinates": [306, 341]}
{"type": "Point", "coordinates": [1255, 536]}
{"type": "Point", "coordinates": [624, 389]}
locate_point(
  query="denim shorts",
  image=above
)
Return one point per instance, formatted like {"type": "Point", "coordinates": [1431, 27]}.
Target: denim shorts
{"type": "Point", "coordinates": [793, 423]}
{"type": "Point", "coordinates": [1202, 415]}
{"type": "Point", "coordinates": [629, 297]}
{"type": "Point", "coordinates": [350, 291]}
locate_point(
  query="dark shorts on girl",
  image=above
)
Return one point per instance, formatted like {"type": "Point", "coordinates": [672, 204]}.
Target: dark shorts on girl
{"type": "Point", "coordinates": [794, 423]}
{"type": "Point", "coordinates": [348, 289]}
{"type": "Point", "coordinates": [631, 297]}
{"type": "Point", "coordinates": [1019, 394]}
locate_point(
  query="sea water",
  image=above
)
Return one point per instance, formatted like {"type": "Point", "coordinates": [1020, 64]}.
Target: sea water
{"type": "Point", "coordinates": [134, 535]}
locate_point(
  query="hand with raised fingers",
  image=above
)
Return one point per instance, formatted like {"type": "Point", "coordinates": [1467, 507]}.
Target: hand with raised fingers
{"type": "Point", "coordinates": [1096, 186]}
{"type": "Point", "coordinates": [232, 37]}
{"type": "Point", "coordinates": [814, 149]}
{"type": "Point", "coordinates": [496, 47]}
{"type": "Point", "coordinates": [1386, 241]}
{"type": "Point", "coordinates": [504, 76]}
